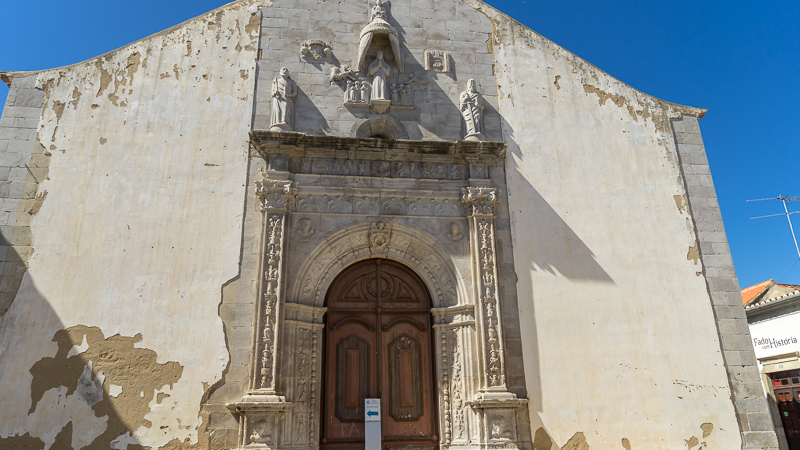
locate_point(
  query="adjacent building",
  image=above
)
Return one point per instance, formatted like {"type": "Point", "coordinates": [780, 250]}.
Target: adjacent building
{"type": "Point", "coordinates": [773, 313]}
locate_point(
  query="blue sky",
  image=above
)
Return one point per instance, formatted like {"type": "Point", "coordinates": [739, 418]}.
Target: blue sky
{"type": "Point", "coordinates": [739, 59]}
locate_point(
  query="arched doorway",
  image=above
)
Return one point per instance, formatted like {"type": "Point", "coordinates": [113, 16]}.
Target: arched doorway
{"type": "Point", "coordinates": [378, 345]}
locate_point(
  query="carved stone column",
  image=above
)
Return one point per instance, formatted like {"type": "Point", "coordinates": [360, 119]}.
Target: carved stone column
{"type": "Point", "coordinates": [263, 410]}
{"type": "Point", "coordinates": [301, 372]}
{"type": "Point", "coordinates": [480, 202]}
{"type": "Point", "coordinates": [494, 405]}
{"type": "Point", "coordinates": [454, 327]}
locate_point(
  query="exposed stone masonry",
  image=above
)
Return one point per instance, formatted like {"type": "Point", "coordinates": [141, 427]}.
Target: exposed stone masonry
{"type": "Point", "coordinates": [23, 165]}
{"type": "Point", "coordinates": [747, 392]}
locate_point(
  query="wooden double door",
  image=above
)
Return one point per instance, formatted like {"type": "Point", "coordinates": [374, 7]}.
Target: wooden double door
{"type": "Point", "coordinates": [786, 386]}
{"type": "Point", "coordinates": [378, 345]}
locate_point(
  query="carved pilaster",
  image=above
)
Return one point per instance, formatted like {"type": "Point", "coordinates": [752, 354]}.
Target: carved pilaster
{"type": "Point", "coordinates": [264, 411]}
{"type": "Point", "coordinates": [304, 328]}
{"type": "Point", "coordinates": [454, 327]}
{"type": "Point", "coordinates": [276, 198]}
{"type": "Point", "coordinates": [481, 202]}
{"type": "Point", "coordinates": [494, 405]}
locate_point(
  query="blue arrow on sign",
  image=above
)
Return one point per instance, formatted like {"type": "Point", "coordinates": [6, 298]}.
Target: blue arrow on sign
{"type": "Point", "coordinates": [372, 413]}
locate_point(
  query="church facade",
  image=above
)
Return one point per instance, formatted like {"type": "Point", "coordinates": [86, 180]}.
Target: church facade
{"type": "Point", "coordinates": [228, 235]}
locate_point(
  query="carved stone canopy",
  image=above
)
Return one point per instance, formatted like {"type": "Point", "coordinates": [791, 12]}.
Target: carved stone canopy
{"type": "Point", "coordinates": [378, 26]}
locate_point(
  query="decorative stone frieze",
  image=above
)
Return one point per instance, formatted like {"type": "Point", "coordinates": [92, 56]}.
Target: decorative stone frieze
{"type": "Point", "coordinates": [380, 168]}
{"type": "Point", "coordinates": [354, 201]}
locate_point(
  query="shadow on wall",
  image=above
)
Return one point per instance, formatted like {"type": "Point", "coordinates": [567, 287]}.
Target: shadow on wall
{"type": "Point", "coordinates": [308, 118]}
{"type": "Point", "coordinates": [552, 247]}
{"type": "Point", "coordinates": [88, 391]}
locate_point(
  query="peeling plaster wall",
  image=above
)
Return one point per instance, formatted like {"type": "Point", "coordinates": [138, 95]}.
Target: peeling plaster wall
{"type": "Point", "coordinates": [140, 229]}
{"type": "Point", "coordinates": [621, 344]}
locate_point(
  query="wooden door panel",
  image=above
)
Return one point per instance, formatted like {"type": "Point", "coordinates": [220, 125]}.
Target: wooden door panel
{"type": "Point", "coordinates": [408, 403]}
{"type": "Point", "coordinates": [350, 376]}
{"type": "Point", "coordinates": [378, 341]}
{"type": "Point", "coordinates": [405, 379]}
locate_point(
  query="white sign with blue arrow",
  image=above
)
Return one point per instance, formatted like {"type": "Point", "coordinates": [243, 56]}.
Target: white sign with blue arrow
{"type": "Point", "coordinates": [372, 410]}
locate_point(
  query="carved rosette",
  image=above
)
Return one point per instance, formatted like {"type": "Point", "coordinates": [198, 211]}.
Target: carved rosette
{"type": "Point", "coordinates": [481, 202]}
{"type": "Point", "coordinates": [276, 197]}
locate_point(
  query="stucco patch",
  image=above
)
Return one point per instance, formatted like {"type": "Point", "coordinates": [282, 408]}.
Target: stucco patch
{"type": "Point", "coordinates": [64, 438]}
{"type": "Point", "coordinates": [680, 201]}
{"type": "Point", "coordinates": [76, 97]}
{"type": "Point", "coordinates": [541, 440]}
{"type": "Point", "coordinates": [694, 253]}
{"type": "Point", "coordinates": [108, 366]}
{"type": "Point", "coordinates": [253, 25]}
{"type": "Point", "coordinates": [24, 442]}
{"type": "Point", "coordinates": [694, 441]}
{"type": "Point", "coordinates": [576, 442]}
{"type": "Point", "coordinates": [707, 428]}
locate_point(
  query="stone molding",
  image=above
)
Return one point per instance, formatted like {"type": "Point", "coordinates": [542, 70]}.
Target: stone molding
{"type": "Point", "coordinates": [266, 143]}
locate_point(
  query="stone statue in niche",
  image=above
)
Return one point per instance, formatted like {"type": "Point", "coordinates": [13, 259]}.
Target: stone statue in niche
{"type": "Point", "coordinates": [284, 91]}
{"type": "Point", "coordinates": [371, 85]}
{"type": "Point", "coordinates": [379, 25]}
{"type": "Point", "coordinates": [471, 105]}
{"type": "Point", "coordinates": [380, 71]}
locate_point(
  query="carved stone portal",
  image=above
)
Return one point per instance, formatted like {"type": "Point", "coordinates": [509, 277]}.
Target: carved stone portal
{"type": "Point", "coordinates": [335, 222]}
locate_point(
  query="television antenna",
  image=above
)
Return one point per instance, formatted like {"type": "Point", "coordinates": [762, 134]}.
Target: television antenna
{"type": "Point", "coordinates": [786, 213]}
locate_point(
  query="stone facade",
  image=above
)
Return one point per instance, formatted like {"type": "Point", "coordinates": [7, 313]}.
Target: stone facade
{"type": "Point", "coordinates": [205, 187]}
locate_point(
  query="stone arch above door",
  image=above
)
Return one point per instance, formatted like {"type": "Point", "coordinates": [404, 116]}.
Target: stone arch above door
{"type": "Point", "coordinates": [378, 240]}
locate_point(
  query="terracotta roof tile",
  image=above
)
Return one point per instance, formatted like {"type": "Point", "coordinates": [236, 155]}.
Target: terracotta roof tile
{"type": "Point", "coordinates": [751, 292]}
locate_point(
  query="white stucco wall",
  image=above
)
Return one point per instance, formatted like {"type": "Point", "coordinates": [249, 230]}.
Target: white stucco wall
{"type": "Point", "coordinates": [619, 338]}
{"type": "Point", "coordinates": [140, 228]}
{"type": "Point", "coordinates": [776, 335]}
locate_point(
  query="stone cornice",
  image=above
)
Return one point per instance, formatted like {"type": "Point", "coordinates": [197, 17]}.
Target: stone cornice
{"type": "Point", "coordinates": [266, 142]}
